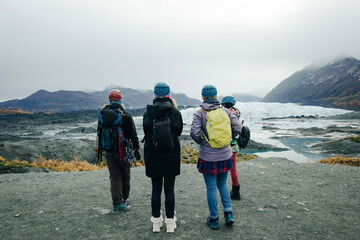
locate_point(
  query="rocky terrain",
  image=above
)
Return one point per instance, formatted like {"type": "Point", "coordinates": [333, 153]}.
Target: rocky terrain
{"type": "Point", "coordinates": [30, 149]}
{"type": "Point", "coordinates": [28, 136]}
{"type": "Point", "coordinates": [280, 200]}
{"type": "Point", "coordinates": [64, 136]}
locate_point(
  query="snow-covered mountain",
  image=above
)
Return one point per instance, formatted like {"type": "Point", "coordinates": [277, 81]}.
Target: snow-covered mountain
{"type": "Point", "coordinates": [336, 84]}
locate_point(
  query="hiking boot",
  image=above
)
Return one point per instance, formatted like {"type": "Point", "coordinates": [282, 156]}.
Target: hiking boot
{"type": "Point", "coordinates": [235, 193]}
{"type": "Point", "coordinates": [121, 207]}
{"type": "Point", "coordinates": [157, 222]}
{"type": "Point", "coordinates": [213, 223]}
{"type": "Point", "coordinates": [229, 219]}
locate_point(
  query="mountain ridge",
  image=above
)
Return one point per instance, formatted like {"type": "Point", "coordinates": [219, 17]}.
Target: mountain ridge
{"type": "Point", "coordinates": [67, 101]}
{"type": "Point", "coordinates": [337, 84]}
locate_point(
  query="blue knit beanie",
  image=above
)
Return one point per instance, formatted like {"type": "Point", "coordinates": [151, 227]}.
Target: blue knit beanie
{"type": "Point", "coordinates": [161, 89]}
{"type": "Point", "coordinates": [209, 91]}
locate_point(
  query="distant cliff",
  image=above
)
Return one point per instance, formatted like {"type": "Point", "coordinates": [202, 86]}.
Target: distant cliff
{"type": "Point", "coordinates": [336, 84]}
{"type": "Point", "coordinates": [66, 101]}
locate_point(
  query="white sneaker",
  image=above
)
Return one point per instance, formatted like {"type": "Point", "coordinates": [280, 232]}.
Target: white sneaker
{"type": "Point", "coordinates": [170, 224]}
{"type": "Point", "coordinates": [157, 222]}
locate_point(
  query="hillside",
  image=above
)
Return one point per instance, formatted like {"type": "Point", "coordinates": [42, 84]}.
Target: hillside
{"type": "Point", "coordinates": [66, 101]}
{"type": "Point", "coordinates": [59, 101]}
{"type": "Point", "coordinates": [337, 84]}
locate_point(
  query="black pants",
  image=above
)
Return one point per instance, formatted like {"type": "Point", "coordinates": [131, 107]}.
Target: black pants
{"type": "Point", "coordinates": [157, 183]}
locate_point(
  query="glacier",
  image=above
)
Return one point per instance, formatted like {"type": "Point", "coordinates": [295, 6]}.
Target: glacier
{"type": "Point", "coordinates": [257, 111]}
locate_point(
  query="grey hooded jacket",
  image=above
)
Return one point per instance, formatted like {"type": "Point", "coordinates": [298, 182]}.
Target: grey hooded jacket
{"type": "Point", "coordinates": [206, 152]}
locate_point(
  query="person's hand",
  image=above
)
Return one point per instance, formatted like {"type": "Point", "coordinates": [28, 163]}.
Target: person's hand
{"type": "Point", "coordinates": [137, 154]}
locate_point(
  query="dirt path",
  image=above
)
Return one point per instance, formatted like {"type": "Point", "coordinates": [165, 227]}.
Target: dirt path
{"type": "Point", "coordinates": [281, 200]}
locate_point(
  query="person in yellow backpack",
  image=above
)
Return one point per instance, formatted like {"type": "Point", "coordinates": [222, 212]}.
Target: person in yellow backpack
{"type": "Point", "coordinates": [215, 151]}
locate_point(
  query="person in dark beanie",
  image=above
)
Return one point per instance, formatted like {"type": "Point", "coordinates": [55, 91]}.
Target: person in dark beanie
{"type": "Point", "coordinates": [162, 124]}
{"type": "Point", "coordinates": [229, 103]}
{"type": "Point", "coordinates": [118, 137]}
{"type": "Point", "coordinates": [213, 127]}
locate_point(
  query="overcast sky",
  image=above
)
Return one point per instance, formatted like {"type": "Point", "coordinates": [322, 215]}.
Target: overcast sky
{"type": "Point", "coordinates": [239, 46]}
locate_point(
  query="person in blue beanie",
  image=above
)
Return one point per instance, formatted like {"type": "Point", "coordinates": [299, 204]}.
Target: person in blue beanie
{"type": "Point", "coordinates": [162, 124]}
{"type": "Point", "coordinates": [229, 103]}
{"type": "Point", "coordinates": [215, 156]}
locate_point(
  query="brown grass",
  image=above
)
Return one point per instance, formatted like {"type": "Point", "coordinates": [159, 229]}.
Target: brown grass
{"type": "Point", "coordinates": [60, 166]}
{"type": "Point", "coordinates": [4, 111]}
{"type": "Point", "coordinates": [72, 166]}
{"type": "Point", "coordinates": [137, 163]}
{"type": "Point", "coordinates": [354, 162]}
{"type": "Point", "coordinates": [245, 157]}
{"type": "Point", "coordinates": [352, 104]}
{"type": "Point", "coordinates": [54, 165]}
{"type": "Point", "coordinates": [5, 164]}
{"type": "Point", "coordinates": [189, 155]}
{"type": "Point", "coordinates": [355, 139]}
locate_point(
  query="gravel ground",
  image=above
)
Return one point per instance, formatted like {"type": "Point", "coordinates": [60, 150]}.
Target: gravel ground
{"type": "Point", "coordinates": [280, 200]}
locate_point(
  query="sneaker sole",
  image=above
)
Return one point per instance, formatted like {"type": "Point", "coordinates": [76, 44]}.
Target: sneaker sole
{"type": "Point", "coordinates": [120, 211]}
{"type": "Point", "coordinates": [229, 223]}
{"type": "Point", "coordinates": [214, 228]}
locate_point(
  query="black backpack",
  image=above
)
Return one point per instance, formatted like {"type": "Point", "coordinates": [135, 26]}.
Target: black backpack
{"type": "Point", "coordinates": [162, 137]}
{"type": "Point", "coordinates": [244, 137]}
{"type": "Point", "coordinates": [111, 137]}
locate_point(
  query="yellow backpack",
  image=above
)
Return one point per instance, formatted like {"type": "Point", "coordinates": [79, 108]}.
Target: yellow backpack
{"type": "Point", "coordinates": [218, 127]}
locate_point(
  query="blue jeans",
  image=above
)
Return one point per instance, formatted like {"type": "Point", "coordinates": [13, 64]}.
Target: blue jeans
{"type": "Point", "coordinates": [212, 183]}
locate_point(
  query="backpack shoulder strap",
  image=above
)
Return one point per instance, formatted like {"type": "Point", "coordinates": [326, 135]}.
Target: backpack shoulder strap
{"type": "Point", "coordinates": [119, 117]}
{"type": "Point", "coordinates": [204, 135]}
{"type": "Point", "coordinates": [222, 108]}
{"type": "Point", "coordinates": [101, 120]}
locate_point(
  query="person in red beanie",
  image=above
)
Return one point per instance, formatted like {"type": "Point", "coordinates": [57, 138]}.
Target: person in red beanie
{"type": "Point", "coordinates": [117, 136]}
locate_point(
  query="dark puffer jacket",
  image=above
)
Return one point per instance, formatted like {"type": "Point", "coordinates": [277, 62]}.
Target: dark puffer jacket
{"type": "Point", "coordinates": [162, 163]}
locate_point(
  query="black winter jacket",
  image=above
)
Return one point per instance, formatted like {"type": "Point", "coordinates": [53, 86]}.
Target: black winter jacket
{"type": "Point", "coordinates": [162, 163]}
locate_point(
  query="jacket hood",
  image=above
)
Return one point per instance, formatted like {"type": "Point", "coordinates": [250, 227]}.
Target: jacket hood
{"type": "Point", "coordinates": [210, 106]}
{"type": "Point", "coordinates": [160, 107]}
{"type": "Point", "coordinates": [115, 105]}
